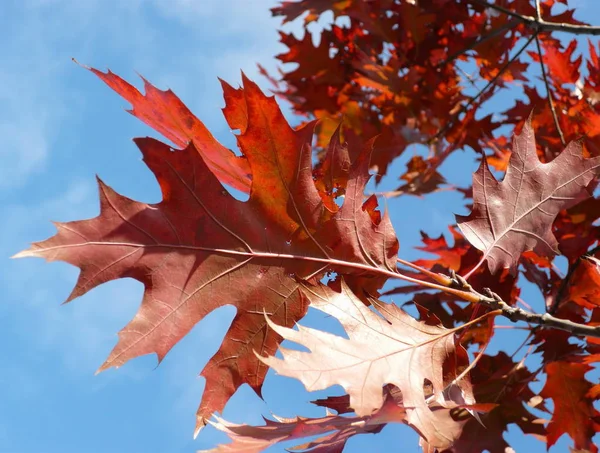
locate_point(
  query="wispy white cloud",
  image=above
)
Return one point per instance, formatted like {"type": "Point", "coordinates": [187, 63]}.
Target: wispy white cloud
{"type": "Point", "coordinates": [39, 38]}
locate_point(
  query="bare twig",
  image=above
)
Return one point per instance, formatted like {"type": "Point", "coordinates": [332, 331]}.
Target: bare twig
{"type": "Point", "coordinates": [399, 191]}
{"type": "Point", "coordinates": [440, 278]}
{"type": "Point", "coordinates": [539, 24]}
{"type": "Point", "coordinates": [538, 10]}
{"type": "Point", "coordinates": [510, 24]}
{"type": "Point", "coordinates": [467, 76]}
{"type": "Point", "coordinates": [499, 8]}
{"type": "Point", "coordinates": [548, 91]}
{"type": "Point", "coordinates": [492, 82]}
{"type": "Point", "coordinates": [515, 314]}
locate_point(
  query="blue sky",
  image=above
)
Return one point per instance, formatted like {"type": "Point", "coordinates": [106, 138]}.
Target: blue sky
{"type": "Point", "coordinates": [59, 126]}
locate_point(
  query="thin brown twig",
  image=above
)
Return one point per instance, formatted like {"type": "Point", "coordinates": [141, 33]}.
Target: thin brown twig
{"type": "Point", "coordinates": [468, 76]}
{"type": "Point", "coordinates": [538, 10]}
{"type": "Point", "coordinates": [492, 82]}
{"type": "Point", "coordinates": [525, 304]}
{"type": "Point", "coordinates": [527, 338]}
{"type": "Point", "coordinates": [481, 40]}
{"type": "Point", "coordinates": [462, 288]}
{"type": "Point", "coordinates": [497, 76]}
{"type": "Point", "coordinates": [541, 25]}
{"type": "Point", "coordinates": [511, 327]}
{"type": "Point", "coordinates": [549, 92]}
{"type": "Point", "coordinates": [398, 192]}
{"type": "Point", "coordinates": [440, 278]}
{"type": "Point", "coordinates": [499, 8]}
{"type": "Point", "coordinates": [515, 314]}
{"type": "Point", "coordinates": [481, 350]}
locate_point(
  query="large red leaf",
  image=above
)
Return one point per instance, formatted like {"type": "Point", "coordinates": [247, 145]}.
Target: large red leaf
{"type": "Point", "coordinates": [200, 248]}
{"type": "Point", "coordinates": [389, 347]}
{"type": "Point", "coordinates": [516, 215]}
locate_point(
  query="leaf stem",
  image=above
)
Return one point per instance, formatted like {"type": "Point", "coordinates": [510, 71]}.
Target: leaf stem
{"type": "Point", "coordinates": [440, 278]}
{"type": "Point", "coordinates": [481, 40]}
{"type": "Point", "coordinates": [467, 293]}
{"type": "Point", "coordinates": [471, 101]}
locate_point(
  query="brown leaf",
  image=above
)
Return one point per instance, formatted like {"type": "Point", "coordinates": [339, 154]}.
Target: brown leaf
{"type": "Point", "coordinates": [388, 347]}
{"type": "Point", "coordinates": [334, 431]}
{"type": "Point", "coordinates": [516, 215]}
{"type": "Point", "coordinates": [498, 379]}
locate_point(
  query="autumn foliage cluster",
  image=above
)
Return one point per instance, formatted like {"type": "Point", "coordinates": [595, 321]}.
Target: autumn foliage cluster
{"type": "Point", "coordinates": [386, 75]}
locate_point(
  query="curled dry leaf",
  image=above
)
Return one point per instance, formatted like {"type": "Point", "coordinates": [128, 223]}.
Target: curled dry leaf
{"type": "Point", "coordinates": [516, 215]}
{"type": "Point", "coordinates": [333, 431]}
{"type": "Point", "coordinates": [388, 347]}
{"type": "Point", "coordinates": [200, 248]}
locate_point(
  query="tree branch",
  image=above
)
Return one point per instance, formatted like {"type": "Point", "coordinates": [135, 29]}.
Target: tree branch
{"type": "Point", "coordinates": [471, 101]}
{"type": "Point", "coordinates": [510, 24]}
{"type": "Point", "coordinates": [548, 92]}
{"type": "Point", "coordinates": [461, 288]}
{"type": "Point", "coordinates": [540, 24]}
{"type": "Point", "coordinates": [515, 314]}
{"type": "Point", "coordinates": [495, 302]}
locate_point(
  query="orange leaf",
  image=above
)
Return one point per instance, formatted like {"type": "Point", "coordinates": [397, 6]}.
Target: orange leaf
{"type": "Point", "coordinates": [573, 408]}
{"type": "Point", "coordinates": [584, 284]}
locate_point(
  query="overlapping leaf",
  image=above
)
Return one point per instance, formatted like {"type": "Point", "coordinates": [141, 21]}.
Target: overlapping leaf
{"type": "Point", "coordinates": [584, 284]}
{"type": "Point", "coordinates": [574, 412]}
{"type": "Point", "coordinates": [333, 431]}
{"type": "Point", "coordinates": [516, 215]}
{"type": "Point", "coordinates": [388, 347]}
{"type": "Point", "coordinates": [164, 112]}
{"type": "Point", "coordinates": [498, 379]}
{"type": "Point", "coordinates": [200, 248]}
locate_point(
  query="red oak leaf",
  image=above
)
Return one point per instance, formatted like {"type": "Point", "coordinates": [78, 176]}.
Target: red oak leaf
{"type": "Point", "coordinates": [386, 348]}
{"type": "Point", "coordinates": [200, 248]}
{"type": "Point", "coordinates": [497, 379]}
{"type": "Point", "coordinates": [449, 257]}
{"type": "Point", "coordinates": [421, 178]}
{"type": "Point", "coordinates": [560, 63]}
{"type": "Point", "coordinates": [584, 284]}
{"type": "Point", "coordinates": [516, 215]}
{"type": "Point", "coordinates": [574, 413]}
{"type": "Point", "coordinates": [164, 112]}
